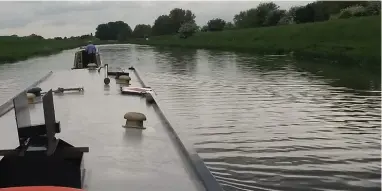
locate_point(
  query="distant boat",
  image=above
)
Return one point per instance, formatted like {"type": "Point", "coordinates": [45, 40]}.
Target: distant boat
{"type": "Point", "coordinates": [81, 60]}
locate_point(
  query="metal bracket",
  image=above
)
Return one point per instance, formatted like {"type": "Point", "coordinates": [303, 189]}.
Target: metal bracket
{"type": "Point", "coordinates": [50, 121]}
{"type": "Point", "coordinates": [40, 136]}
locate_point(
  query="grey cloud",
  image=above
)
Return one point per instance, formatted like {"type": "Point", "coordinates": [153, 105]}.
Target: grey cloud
{"type": "Point", "coordinates": [62, 7]}
{"type": "Point", "coordinates": [72, 18]}
{"type": "Point", "coordinates": [13, 22]}
{"type": "Point", "coordinates": [56, 23]}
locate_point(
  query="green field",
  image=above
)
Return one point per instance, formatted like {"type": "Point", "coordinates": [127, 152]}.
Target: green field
{"type": "Point", "coordinates": [355, 41]}
{"type": "Point", "coordinates": [14, 49]}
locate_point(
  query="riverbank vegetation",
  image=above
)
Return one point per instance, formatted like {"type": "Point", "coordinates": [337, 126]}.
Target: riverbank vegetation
{"type": "Point", "coordinates": [340, 40]}
{"type": "Point", "coordinates": [264, 15]}
{"type": "Point", "coordinates": [342, 31]}
{"type": "Point", "coordinates": [14, 48]}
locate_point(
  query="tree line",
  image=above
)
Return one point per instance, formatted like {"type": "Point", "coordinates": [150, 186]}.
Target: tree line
{"type": "Point", "coordinates": [182, 22]}
{"type": "Point", "coordinates": [39, 37]}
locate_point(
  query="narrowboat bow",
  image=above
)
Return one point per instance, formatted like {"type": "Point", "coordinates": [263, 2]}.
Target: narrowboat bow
{"type": "Point", "coordinates": [132, 143]}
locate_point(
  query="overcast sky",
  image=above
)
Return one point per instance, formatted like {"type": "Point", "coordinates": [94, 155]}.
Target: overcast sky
{"type": "Point", "coordinates": [73, 18]}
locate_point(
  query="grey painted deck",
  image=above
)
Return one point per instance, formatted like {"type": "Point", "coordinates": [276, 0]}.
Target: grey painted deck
{"type": "Point", "coordinates": [119, 159]}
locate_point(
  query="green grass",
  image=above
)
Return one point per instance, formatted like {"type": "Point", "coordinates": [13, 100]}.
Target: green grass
{"type": "Point", "coordinates": [347, 41]}
{"type": "Point", "coordinates": [14, 49]}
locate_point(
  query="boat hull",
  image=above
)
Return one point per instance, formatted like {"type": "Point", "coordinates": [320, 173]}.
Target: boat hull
{"type": "Point", "coordinates": [119, 158]}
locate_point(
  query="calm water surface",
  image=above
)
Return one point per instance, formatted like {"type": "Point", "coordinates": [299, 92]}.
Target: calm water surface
{"type": "Point", "coordinates": [259, 123]}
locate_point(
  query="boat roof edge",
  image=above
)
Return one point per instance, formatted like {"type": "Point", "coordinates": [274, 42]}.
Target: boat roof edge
{"type": "Point", "coordinates": [204, 174]}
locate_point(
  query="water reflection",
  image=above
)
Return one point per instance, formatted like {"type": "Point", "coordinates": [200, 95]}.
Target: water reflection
{"type": "Point", "coordinates": [181, 61]}
{"type": "Point", "coordinates": [352, 77]}
{"type": "Point", "coordinates": [106, 88]}
{"type": "Point", "coordinates": [92, 72]}
{"type": "Point", "coordinates": [133, 136]}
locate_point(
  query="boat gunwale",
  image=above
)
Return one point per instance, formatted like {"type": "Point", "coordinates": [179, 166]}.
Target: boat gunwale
{"type": "Point", "coordinates": [8, 105]}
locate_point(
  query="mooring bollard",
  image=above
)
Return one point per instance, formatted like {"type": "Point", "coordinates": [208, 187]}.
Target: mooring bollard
{"type": "Point", "coordinates": [134, 120]}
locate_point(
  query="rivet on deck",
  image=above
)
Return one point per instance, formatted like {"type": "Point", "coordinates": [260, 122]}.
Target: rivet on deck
{"type": "Point", "coordinates": [134, 120]}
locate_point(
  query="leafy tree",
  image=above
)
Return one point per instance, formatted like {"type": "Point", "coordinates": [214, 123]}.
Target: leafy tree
{"type": "Point", "coordinates": [198, 28]}
{"type": "Point", "coordinates": [35, 36]}
{"type": "Point", "coordinates": [187, 29]}
{"type": "Point", "coordinates": [255, 17]}
{"type": "Point", "coordinates": [288, 17]}
{"type": "Point", "coordinates": [113, 31]}
{"type": "Point", "coordinates": [245, 19]}
{"type": "Point", "coordinates": [162, 25]}
{"type": "Point", "coordinates": [216, 25]}
{"type": "Point", "coordinates": [274, 17]}
{"type": "Point", "coordinates": [240, 19]}
{"type": "Point", "coordinates": [285, 20]}
{"type": "Point", "coordinates": [269, 14]}
{"type": "Point", "coordinates": [86, 36]}
{"type": "Point", "coordinates": [373, 8]}
{"type": "Point", "coordinates": [170, 24]}
{"type": "Point", "coordinates": [292, 11]}
{"type": "Point", "coordinates": [119, 30]}
{"type": "Point", "coordinates": [229, 26]}
{"type": "Point", "coordinates": [321, 11]}
{"type": "Point", "coordinates": [353, 11]}
{"type": "Point", "coordinates": [333, 7]}
{"type": "Point", "coordinates": [142, 31]}
{"type": "Point", "coordinates": [204, 28]}
{"type": "Point", "coordinates": [124, 34]}
{"type": "Point", "coordinates": [262, 12]}
{"type": "Point", "coordinates": [178, 17]}
{"type": "Point", "coordinates": [304, 14]}
{"type": "Point", "coordinates": [102, 32]}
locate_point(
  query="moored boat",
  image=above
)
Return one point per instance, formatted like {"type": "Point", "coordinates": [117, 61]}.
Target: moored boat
{"type": "Point", "coordinates": [132, 145]}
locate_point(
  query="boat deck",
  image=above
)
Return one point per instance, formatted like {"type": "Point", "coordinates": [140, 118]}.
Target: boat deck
{"type": "Point", "coordinates": [119, 158]}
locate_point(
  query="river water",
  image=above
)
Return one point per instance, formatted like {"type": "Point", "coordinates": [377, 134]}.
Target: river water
{"type": "Point", "coordinates": [258, 122]}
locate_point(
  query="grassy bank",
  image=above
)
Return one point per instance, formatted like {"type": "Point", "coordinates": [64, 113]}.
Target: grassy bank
{"type": "Point", "coordinates": [347, 41]}
{"type": "Point", "coordinates": [14, 49]}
